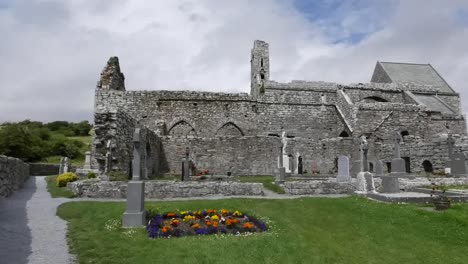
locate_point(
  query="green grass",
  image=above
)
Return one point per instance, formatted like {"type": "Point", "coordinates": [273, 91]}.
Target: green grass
{"type": "Point", "coordinates": [308, 230]}
{"type": "Point", "coordinates": [56, 191]}
{"type": "Point", "coordinates": [458, 187]}
{"type": "Point", "coordinates": [267, 182]}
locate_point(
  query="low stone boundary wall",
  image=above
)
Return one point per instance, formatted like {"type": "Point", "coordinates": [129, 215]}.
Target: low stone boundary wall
{"type": "Point", "coordinates": [13, 173]}
{"type": "Point", "coordinates": [165, 189]}
{"type": "Point", "coordinates": [43, 169]}
{"type": "Point", "coordinates": [311, 187]}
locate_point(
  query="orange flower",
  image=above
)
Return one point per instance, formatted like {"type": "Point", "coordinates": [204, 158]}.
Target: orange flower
{"type": "Point", "coordinates": [224, 212]}
{"type": "Point", "coordinates": [229, 222]}
{"type": "Point", "coordinates": [175, 222]}
{"type": "Point", "coordinates": [195, 226]}
{"type": "Point", "coordinates": [248, 225]}
{"type": "Point", "coordinates": [215, 224]}
{"type": "Point", "coordinates": [211, 212]}
{"type": "Point", "coordinates": [208, 223]}
{"type": "Point", "coordinates": [170, 214]}
{"type": "Point", "coordinates": [166, 229]}
{"type": "Point", "coordinates": [235, 221]}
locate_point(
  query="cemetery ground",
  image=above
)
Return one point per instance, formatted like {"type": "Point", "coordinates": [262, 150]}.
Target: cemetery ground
{"type": "Point", "coordinates": [302, 230]}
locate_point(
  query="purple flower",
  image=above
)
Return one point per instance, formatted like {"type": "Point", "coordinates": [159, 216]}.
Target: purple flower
{"type": "Point", "coordinates": [201, 231]}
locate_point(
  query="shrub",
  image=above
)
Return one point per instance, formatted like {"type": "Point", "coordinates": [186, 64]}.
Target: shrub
{"type": "Point", "coordinates": [65, 178]}
{"type": "Point", "coordinates": [91, 175]}
{"type": "Point", "coordinates": [118, 176]}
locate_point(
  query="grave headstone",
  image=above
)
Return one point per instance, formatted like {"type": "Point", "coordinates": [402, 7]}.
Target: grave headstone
{"type": "Point", "coordinates": [390, 183]}
{"type": "Point", "coordinates": [379, 170]}
{"type": "Point", "coordinates": [458, 163]}
{"type": "Point", "coordinates": [135, 214]}
{"type": "Point", "coordinates": [343, 169]}
{"type": "Point", "coordinates": [87, 164]}
{"type": "Point", "coordinates": [364, 148]}
{"type": "Point", "coordinates": [62, 163]}
{"type": "Point", "coordinates": [65, 165]}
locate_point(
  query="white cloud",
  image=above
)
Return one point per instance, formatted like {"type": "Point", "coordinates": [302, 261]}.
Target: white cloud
{"type": "Point", "coordinates": [53, 51]}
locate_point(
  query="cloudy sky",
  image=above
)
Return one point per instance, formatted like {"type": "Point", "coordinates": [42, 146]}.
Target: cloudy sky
{"type": "Point", "coordinates": [52, 51]}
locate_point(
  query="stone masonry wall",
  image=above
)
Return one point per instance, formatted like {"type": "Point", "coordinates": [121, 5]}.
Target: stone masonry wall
{"type": "Point", "coordinates": [13, 173]}
{"type": "Point", "coordinates": [166, 189]}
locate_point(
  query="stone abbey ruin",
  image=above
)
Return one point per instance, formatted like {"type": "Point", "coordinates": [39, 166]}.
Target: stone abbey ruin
{"type": "Point", "coordinates": [310, 123]}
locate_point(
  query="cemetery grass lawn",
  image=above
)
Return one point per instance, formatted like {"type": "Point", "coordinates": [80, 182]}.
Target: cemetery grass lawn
{"type": "Point", "coordinates": [267, 182]}
{"type": "Point", "coordinates": [56, 191]}
{"type": "Point", "coordinates": [306, 230]}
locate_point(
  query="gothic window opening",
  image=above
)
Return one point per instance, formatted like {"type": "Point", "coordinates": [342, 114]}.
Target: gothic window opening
{"type": "Point", "coordinates": [229, 129]}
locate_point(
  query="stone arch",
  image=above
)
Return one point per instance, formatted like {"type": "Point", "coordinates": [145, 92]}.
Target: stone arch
{"type": "Point", "coordinates": [373, 99]}
{"type": "Point", "coordinates": [182, 129]}
{"type": "Point", "coordinates": [229, 129]}
{"type": "Point", "coordinates": [404, 133]}
{"type": "Point", "coordinates": [427, 165]}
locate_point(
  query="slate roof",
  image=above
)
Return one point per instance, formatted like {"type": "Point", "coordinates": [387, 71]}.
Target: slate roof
{"type": "Point", "coordinates": [423, 74]}
{"type": "Point", "coordinates": [433, 103]}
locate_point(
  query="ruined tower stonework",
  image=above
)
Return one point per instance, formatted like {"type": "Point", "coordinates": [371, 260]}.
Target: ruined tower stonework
{"type": "Point", "coordinates": [242, 133]}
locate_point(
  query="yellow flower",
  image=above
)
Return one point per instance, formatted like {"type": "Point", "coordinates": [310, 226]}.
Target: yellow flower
{"type": "Point", "coordinates": [215, 218]}
{"type": "Point", "coordinates": [237, 213]}
{"type": "Point", "coordinates": [188, 218]}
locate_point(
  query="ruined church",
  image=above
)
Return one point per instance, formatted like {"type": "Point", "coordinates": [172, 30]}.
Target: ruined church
{"type": "Point", "coordinates": [305, 125]}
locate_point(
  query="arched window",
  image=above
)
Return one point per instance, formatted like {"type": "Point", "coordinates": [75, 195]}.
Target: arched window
{"type": "Point", "coordinates": [182, 129]}
{"type": "Point", "coordinates": [229, 129]}
{"type": "Point", "coordinates": [427, 165]}
{"type": "Point", "coordinates": [344, 134]}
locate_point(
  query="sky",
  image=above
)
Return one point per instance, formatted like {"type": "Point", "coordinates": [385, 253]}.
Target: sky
{"type": "Point", "coordinates": [53, 51]}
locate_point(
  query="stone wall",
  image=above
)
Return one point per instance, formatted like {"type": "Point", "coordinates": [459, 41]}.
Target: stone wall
{"type": "Point", "coordinates": [13, 173]}
{"type": "Point", "coordinates": [43, 169]}
{"type": "Point", "coordinates": [166, 189]}
{"type": "Point", "coordinates": [318, 187]}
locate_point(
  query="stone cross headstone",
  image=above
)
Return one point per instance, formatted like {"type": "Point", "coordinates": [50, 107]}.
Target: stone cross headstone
{"type": "Point", "coordinates": [364, 147]}
{"type": "Point", "coordinates": [108, 163]}
{"type": "Point", "coordinates": [65, 165]}
{"type": "Point", "coordinates": [458, 165]}
{"type": "Point", "coordinates": [135, 213]}
{"type": "Point", "coordinates": [396, 143]}
{"type": "Point", "coordinates": [343, 169]}
{"type": "Point", "coordinates": [450, 145]}
{"type": "Point", "coordinates": [186, 166]}
{"type": "Point", "coordinates": [390, 183]}
{"type": "Point", "coordinates": [281, 170]}
{"type": "Point", "coordinates": [87, 164]}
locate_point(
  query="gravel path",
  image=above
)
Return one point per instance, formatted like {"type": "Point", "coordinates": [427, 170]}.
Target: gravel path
{"type": "Point", "coordinates": [30, 231]}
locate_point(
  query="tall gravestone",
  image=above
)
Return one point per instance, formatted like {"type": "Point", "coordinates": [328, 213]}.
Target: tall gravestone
{"type": "Point", "coordinates": [364, 179]}
{"type": "Point", "coordinates": [379, 170]}
{"type": "Point", "coordinates": [87, 164]}
{"type": "Point", "coordinates": [450, 146]}
{"type": "Point", "coordinates": [186, 165]}
{"type": "Point", "coordinates": [61, 165]}
{"type": "Point", "coordinates": [135, 214]}
{"type": "Point", "coordinates": [343, 169]}
{"type": "Point", "coordinates": [390, 183]}
{"type": "Point", "coordinates": [281, 170]}
{"type": "Point", "coordinates": [65, 165]}
{"type": "Point", "coordinates": [458, 164]}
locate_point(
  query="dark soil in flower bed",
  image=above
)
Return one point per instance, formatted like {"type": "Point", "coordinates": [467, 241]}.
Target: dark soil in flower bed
{"type": "Point", "coordinates": [187, 223]}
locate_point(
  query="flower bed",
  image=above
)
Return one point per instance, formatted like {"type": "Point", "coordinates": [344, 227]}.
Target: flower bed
{"type": "Point", "coordinates": [186, 223]}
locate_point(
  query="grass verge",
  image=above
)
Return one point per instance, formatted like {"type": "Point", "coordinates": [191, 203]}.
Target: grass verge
{"type": "Point", "coordinates": [267, 182]}
{"type": "Point", "coordinates": [308, 230]}
{"type": "Point", "coordinates": [56, 191]}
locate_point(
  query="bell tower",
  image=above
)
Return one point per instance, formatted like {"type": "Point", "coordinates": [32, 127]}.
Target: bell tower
{"type": "Point", "coordinates": [259, 68]}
